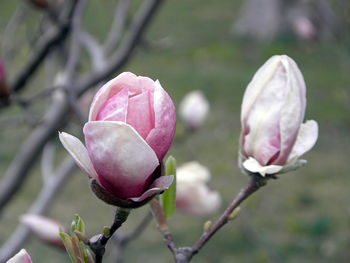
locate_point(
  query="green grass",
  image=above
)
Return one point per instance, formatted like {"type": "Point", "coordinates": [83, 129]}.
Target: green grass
{"type": "Point", "coordinates": [301, 217]}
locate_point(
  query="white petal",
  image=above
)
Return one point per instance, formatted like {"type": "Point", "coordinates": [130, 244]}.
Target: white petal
{"type": "Point", "coordinates": [306, 139]}
{"type": "Point", "coordinates": [78, 151]}
{"type": "Point", "coordinates": [192, 172]}
{"type": "Point", "coordinates": [253, 166]}
{"type": "Point", "coordinates": [258, 83]}
{"type": "Point", "coordinates": [292, 113]}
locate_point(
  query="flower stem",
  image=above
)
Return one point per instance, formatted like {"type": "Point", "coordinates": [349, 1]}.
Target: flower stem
{"type": "Point", "coordinates": [98, 243]}
{"type": "Point", "coordinates": [255, 183]}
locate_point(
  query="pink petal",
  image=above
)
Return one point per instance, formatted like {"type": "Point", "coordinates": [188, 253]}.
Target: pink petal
{"type": "Point", "coordinates": [146, 84]}
{"type": "Point", "coordinates": [122, 159]}
{"type": "Point", "coordinates": [161, 137]}
{"type": "Point", "coordinates": [141, 114]}
{"type": "Point", "coordinates": [21, 257]}
{"type": "Point", "coordinates": [124, 80]}
{"type": "Point", "coordinates": [306, 139]}
{"type": "Point", "coordinates": [115, 108]}
{"type": "Point", "coordinates": [78, 151]}
{"type": "Point", "coordinates": [159, 185]}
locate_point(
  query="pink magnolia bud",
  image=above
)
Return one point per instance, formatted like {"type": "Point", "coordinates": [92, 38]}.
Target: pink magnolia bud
{"type": "Point", "coordinates": [130, 129]}
{"type": "Point", "coordinates": [194, 109]}
{"type": "Point", "coordinates": [4, 92]}
{"type": "Point", "coordinates": [21, 257]}
{"type": "Point", "coordinates": [44, 228]}
{"type": "Point", "coordinates": [42, 4]}
{"type": "Point", "coordinates": [273, 135]}
{"type": "Point", "coordinates": [304, 28]}
{"type": "Point", "coordinates": [192, 194]}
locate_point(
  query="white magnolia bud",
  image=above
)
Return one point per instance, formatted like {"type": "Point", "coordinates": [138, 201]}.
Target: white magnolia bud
{"type": "Point", "coordinates": [194, 109]}
{"type": "Point", "coordinates": [192, 193]}
{"type": "Point", "coordinates": [273, 135]}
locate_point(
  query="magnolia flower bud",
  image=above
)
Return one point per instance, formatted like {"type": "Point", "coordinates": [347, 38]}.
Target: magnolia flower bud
{"type": "Point", "coordinates": [273, 135]}
{"type": "Point", "coordinates": [44, 228]}
{"type": "Point", "coordinates": [4, 92]}
{"type": "Point", "coordinates": [42, 4]}
{"type": "Point", "coordinates": [192, 194]}
{"type": "Point", "coordinates": [304, 28]}
{"type": "Point", "coordinates": [130, 129]}
{"type": "Point", "coordinates": [21, 257]}
{"type": "Point", "coordinates": [194, 109]}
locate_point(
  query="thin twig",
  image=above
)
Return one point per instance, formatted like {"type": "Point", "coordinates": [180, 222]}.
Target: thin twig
{"type": "Point", "coordinates": [254, 185]}
{"type": "Point", "coordinates": [58, 112]}
{"type": "Point", "coordinates": [47, 162]}
{"type": "Point", "coordinates": [72, 62]}
{"type": "Point", "coordinates": [40, 205]}
{"type": "Point", "coordinates": [139, 23]}
{"type": "Point", "coordinates": [94, 50]}
{"type": "Point", "coordinates": [10, 31]}
{"type": "Point", "coordinates": [98, 244]}
{"type": "Point", "coordinates": [122, 240]}
{"type": "Point", "coordinates": [185, 254]}
{"type": "Point", "coordinates": [48, 41]}
{"type": "Point", "coordinates": [118, 25]}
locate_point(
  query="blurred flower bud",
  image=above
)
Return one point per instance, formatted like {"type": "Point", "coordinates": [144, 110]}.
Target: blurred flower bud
{"type": "Point", "coordinates": [130, 129]}
{"type": "Point", "coordinates": [273, 136]}
{"type": "Point", "coordinates": [192, 194]}
{"type": "Point", "coordinates": [194, 109]}
{"type": "Point", "coordinates": [304, 28]}
{"type": "Point", "coordinates": [42, 4]}
{"type": "Point", "coordinates": [21, 257]}
{"type": "Point", "coordinates": [4, 92]}
{"type": "Point", "coordinates": [44, 228]}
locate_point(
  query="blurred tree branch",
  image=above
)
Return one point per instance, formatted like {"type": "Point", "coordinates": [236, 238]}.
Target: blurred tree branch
{"type": "Point", "coordinates": [51, 39]}
{"type": "Point", "coordinates": [58, 112]}
{"type": "Point", "coordinates": [39, 207]}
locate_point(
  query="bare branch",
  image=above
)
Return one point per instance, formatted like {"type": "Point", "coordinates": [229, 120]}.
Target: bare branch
{"type": "Point", "coordinates": [30, 150]}
{"type": "Point", "coordinates": [94, 50]}
{"type": "Point", "coordinates": [58, 112]}
{"type": "Point", "coordinates": [255, 184]}
{"type": "Point", "coordinates": [39, 207]}
{"type": "Point", "coordinates": [74, 50]}
{"type": "Point", "coordinates": [122, 240]}
{"type": "Point", "coordinates": [133, 35]}
{"type": "Point", "coordinates": [10, 30]}
{"type": "Point", "coordinates": [48, 41]}
{"type": "Point", "coordinates": [116, 31]}
{"type": "Point", "coordinates": [73, 59]}
{"type": "Point", "coordinates": [47, 162]}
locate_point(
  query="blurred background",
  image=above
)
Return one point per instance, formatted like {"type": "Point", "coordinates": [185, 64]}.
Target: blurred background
{"type": "Point", "coordinates": [215, 47]}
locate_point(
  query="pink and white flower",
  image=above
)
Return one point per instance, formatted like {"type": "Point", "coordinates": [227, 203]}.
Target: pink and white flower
{"type": "Point", "coordinates": [193, 196]}
{"type": "Point", "coordinates": [21, 257]}
{"type": "Point", "coordinates": [130, 129]}
{"type": "Point", "coordinates": [273, 135]}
